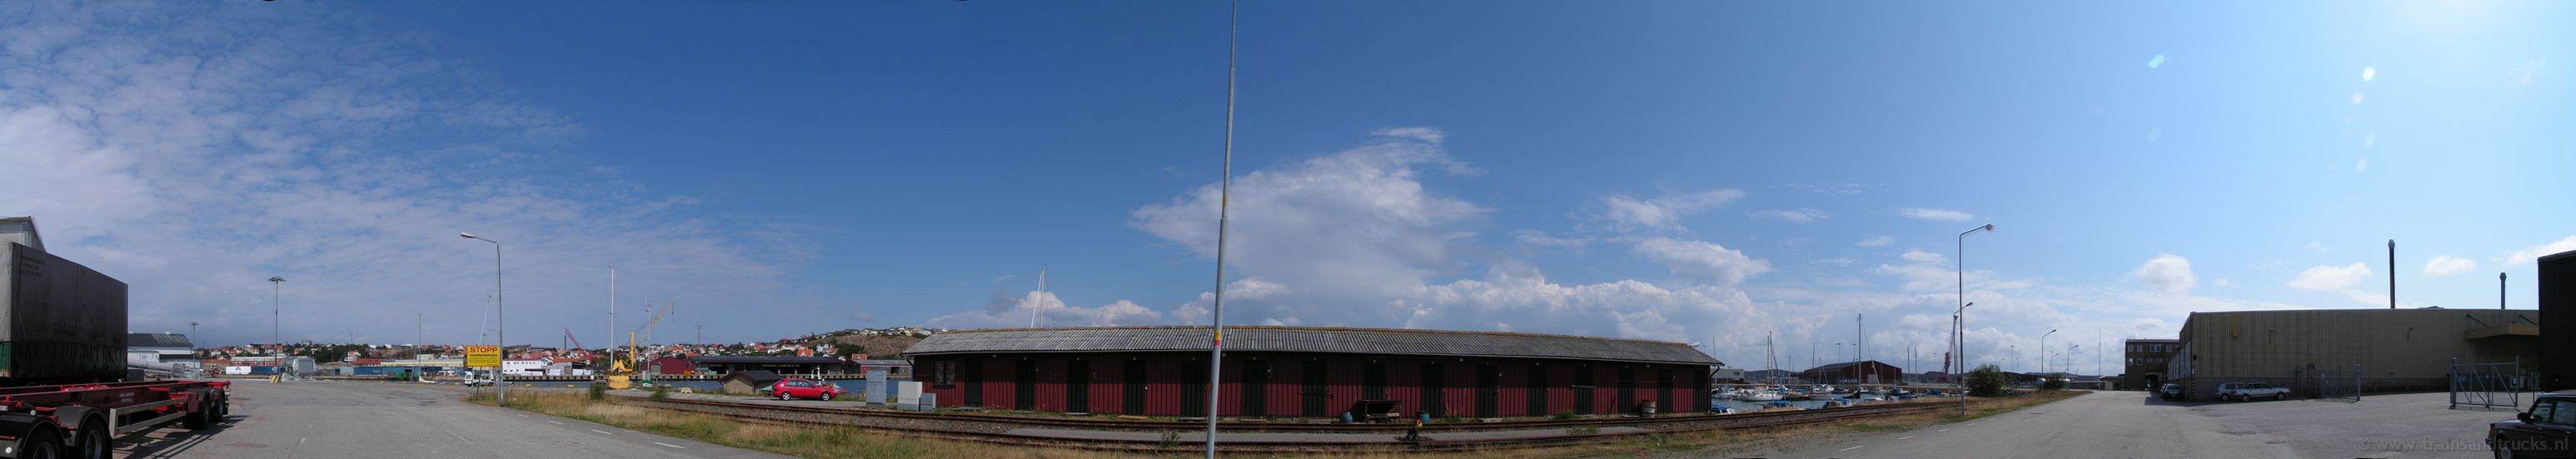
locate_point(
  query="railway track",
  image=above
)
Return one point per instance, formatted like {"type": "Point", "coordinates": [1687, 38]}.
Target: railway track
{"type": "Point", "coordinates": [1472, 436]}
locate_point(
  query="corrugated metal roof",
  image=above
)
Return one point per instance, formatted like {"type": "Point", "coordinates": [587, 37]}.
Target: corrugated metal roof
{"type": "Point", "coordinates": [763, 359]}
{"type": "Point", "coordinates": [157, 340]}
{"type": "Point", "coordinates": [1307, 339]}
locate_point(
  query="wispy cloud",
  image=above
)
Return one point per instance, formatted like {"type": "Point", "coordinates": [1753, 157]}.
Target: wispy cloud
{"type": "Point", "coordinates": [1422, 133]}
{"type": "Point", "coordinates": [1004, 277]}
{"type": "Point", "coordinates": [2329, 278]}
{"type": "Point", "coordinates": [1935, 214]}
{"type": "Point", "coordinates": [2527, 254]}
{"type": "Point", "coordinates": [348, 175]}
{"type": "Point", "coordinates": [1793, 215]}
{"type": "Point", "coordinates": [1702, 261]}
{"type": "Point", "coordinates": [2448, 265]}
{"type": "Point", "coordinates": [1662, 212]}
{"type": "Point", "coordinates": [1876, 241]}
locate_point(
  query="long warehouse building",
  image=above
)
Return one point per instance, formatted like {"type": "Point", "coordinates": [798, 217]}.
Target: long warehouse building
{"type": "Point", "coordinates": [1309, 372]}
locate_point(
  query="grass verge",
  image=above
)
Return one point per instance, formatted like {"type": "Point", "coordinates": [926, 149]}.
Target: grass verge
{"type": "Point", "coordinates": [844, 442]}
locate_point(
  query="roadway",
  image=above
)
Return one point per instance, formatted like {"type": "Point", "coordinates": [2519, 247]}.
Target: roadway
{"type": "Point", "coordinates": [354, 419]}
{"type": "Point", "coordinates": [2132, 425]}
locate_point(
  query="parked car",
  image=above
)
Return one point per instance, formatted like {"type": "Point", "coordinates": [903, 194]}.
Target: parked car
{"type": "Point", "coordinates": [2547, 430]}
{"type": "Point", "coordinates": [2170, 391]}
{"type": "Point", "coordinates": [478, 379]}
{"type": "Point", "coordinates": [2247, 391]}
{"type": "Point", "coordinates": [794, 388]}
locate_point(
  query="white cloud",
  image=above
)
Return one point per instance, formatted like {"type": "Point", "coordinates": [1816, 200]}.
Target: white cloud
{"type": "Point", "coordinates": [1702, 261]}
{"type": "Point", "coordinates": [2367, 72]}
{"type": "Point", "coordinates": [1920, 256]}
{"type": "Point", "coordinates": [2362, 166]}
{"type": "Point", "coordinates": [1935, 214]}
{"type": "Point", "coordinates": [1357, 221]}
{"type": "Point", "coordinates": [2320, 247]}
{"type": "Point", "coordinates": [1004, 277]}
{"type": "Point", "coordinates": [322, 149]}
{"type": "Point", "coordinates": [2158, 61]}
{"type": "Point", "coordinates": [2222, 282]}
{"type": "Point", "coordinates": [1422, 133]}
{"type": "Point", "coordinates": [1663, 212]}
{"type": "Point", "coordinates": [2527, 254]}
{"type": "Point", "coordinates": [1793, 215]}
{"type": "Point", "coordinates": [1876, 241]}
{"type": "Point", "coordinates": [2356, 98]}
{"type": "Point", "coordinates": [1008, 311]}
{"type": "Point", "coordinates": [1542, 239]}
{"type": "Point", "coordinates": [2328, 278]}
{"type": "Point", "coordinates": [2168, 273]}
{"type": "Point", "coordinates": [2448, 265]}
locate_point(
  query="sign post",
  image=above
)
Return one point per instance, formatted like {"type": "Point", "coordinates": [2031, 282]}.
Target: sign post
{"type": "Point", "coordinates": [485, 356]}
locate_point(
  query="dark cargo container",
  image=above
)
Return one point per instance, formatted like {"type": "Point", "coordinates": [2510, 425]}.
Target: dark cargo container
{"type": "Point", "coordinates": [64, 322]}
{"type": "Point", "coordinates": [2558, 321]}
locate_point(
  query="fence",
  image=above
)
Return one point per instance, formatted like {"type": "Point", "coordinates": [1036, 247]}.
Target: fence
{"type": "Point", "coordinates": [2491, 385]}
{"type": "Point", "coordinates": [2329, 384]}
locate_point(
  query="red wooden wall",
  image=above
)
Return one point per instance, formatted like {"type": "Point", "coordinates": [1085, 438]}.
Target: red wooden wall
{"type": "Point", "coordinates": [1165, 373]}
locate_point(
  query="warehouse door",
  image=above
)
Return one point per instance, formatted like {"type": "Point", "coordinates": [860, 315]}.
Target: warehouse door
{"type": "Point", "coordinates": [1536, 395]}
{"type": "Point", "coordinates": [1373, 381]}
{"type": "Point", "coordinates": [1489, 390]}
{"type": "Point", "coordinates": [1077, 386]}
{"type": "Point", "coordinates": [1256, 387]}
{"type": "Point", "coordinates": [1664, 391]}
{"type": "Point", "coordinates": [1627, 389]}
{"type": "Point", "coordinates": [1316, 393]}
{"type": "Point", "coordinates": [974, 383]}
{"type": "Point", "coordinates": [1432, 378]}
{"type": "Point", "coordinates": [1194, 389]}
{"type": "Point", "coordinates": [1583, 389]}
{"type": "Point", "coordinates": [1025, 380]}
{"type": "Point", "coordinates": [1135, 381]}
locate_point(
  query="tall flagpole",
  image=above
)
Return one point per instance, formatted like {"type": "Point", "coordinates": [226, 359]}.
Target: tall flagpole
{"type": "Point", "coordinates": [1225, 189]}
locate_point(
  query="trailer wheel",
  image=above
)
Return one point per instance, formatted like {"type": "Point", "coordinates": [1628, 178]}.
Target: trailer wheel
{"type": "Point", "coordinates": [91, 441]}
{"type": "Point", "coordinates": [44, 443]}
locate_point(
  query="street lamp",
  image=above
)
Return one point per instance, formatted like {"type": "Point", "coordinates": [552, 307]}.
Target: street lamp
{"type": "Point", "coordinates": [1959, 323]}
{"type": "Point", "coordinates": [275, 284]}
{"type": "Point", "coordinates": [2043, 347]}
{"type": "Point", "coordinates": [500, 324]}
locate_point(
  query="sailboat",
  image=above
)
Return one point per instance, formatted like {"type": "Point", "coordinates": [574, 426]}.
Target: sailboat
{"type": "Point", "coordinates": [1772, 360]}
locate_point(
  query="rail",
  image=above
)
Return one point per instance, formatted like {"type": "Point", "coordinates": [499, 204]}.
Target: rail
{"type": "Point", "coordinates": [997, 428]}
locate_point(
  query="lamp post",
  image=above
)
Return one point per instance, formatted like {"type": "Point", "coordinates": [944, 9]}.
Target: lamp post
{"type": "Point", "coordinates": [276, 325]}
{"type": "Point", "coordinates": [1959, 323]}
{"type": "Point", "coordinates": [2043, 347]}
{"type": "Point", "coordinates": [500, 323]}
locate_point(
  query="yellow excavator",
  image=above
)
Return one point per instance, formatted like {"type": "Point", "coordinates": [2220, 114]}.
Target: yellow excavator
{"type": "Point", "coordinates": [622, 372]}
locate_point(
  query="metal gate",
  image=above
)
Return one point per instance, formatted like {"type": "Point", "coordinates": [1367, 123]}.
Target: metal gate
{"type": "Point", "coordinates": [2329, 384]}
{"type": "Point", "coordinates": [2490, 385]}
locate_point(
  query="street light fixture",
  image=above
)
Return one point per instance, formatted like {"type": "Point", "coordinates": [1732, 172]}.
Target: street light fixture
{"type": "Point", "coordinates": [275, 324]}
{"type": "Point", "coordinates": [501, 328]}
{"type": "Point", "coordinates": [1959, 323]}
{"type": "Point", "coordinates": [2043, 347]}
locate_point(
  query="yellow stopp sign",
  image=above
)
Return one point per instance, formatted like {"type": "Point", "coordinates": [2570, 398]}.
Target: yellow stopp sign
{"type": "Point", "coordinates": [483, 356]}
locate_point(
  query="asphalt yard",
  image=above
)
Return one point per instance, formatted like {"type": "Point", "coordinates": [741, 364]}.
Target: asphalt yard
{"type": "Point", "coordinates": [354, 419]}
{"type": "Point", "coordinates": [2134, 425]}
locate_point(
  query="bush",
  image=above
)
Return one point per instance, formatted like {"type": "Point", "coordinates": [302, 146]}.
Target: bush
{"type": "Point", "coordinates": [660, 393]}
{"type": "Point", "coordinates": [2055, 381]}
{"type": "Point", "coordinates": [598, 391]}
{"type": "Point", "coordinates": [1564, 415]}
{"type": "Point", "coordinates": [1987, 381]}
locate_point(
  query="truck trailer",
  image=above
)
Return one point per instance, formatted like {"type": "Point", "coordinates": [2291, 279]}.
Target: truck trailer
{"type": "Point", "coordinates": [62, 360]}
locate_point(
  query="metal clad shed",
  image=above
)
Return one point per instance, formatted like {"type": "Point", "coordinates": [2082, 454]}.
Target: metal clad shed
{"type": "Point", "coordinates": [1308, 371]}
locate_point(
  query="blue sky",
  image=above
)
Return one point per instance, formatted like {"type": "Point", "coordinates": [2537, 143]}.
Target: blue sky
{"type": "Point", "coordinates": [1690, 172]}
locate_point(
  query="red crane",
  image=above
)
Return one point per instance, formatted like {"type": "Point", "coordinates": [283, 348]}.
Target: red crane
{"type": "Point", "coordinates": [582, 353]}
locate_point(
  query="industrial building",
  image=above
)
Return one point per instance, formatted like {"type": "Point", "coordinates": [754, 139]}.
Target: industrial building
{"type": "Point", "coordinates": [2558, 321]}
{"type": "Point", "coordinates": [1309, 372]}
{"type": "Point", "coordinates": [2380, 349]}
{"type": "Point", "coordinates": [2145, 360]}
{"type": "Point", "coordinates": [1861, 372]}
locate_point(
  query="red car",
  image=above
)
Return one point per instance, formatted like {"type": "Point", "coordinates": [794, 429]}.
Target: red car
{"type": "Point", "coordinates": [2548, 430]}
{"type": "Point", "coordinates": [794, 388]}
